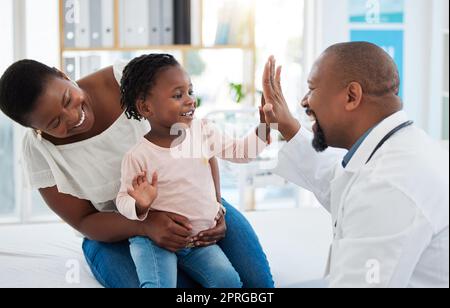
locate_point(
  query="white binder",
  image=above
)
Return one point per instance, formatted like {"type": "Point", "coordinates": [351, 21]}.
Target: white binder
{"type": "Point", "coordinates": [82, 31]}
{"type": "Point", "coordinates": [122, 22]}
{"type": "Point", "coordinates": [70, 67]}
{"type": "Point", "coordinates": [84, 67]}
{"type": "Point", "coordinates": [134, 22]}
{"type": "Point", "coordinates": [107, 23]}
{"type": "Point", "coordinates": [95, 64]}
{"type": "Point", "coordinates": [89, 65]}
{"type": "Point", "coordinates": [95, 23]}
{"type": "Point", "coordinates": [167, 22]}
{"type": "Point", "coordinates": [154, 22]}
{"type": "Point", "coordinates": [71, 10]}
{"type": "Point", "coordinates": [196, 22]}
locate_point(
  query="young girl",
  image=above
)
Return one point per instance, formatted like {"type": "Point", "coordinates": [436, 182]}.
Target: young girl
{"type": "Point", "coordinates": [176, 153]}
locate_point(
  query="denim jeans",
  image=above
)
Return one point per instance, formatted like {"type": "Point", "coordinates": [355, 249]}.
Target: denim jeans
{"type": "Point", "coordinates": [113, 266]}
{"type": "Point", "coordinates": [157, 267]}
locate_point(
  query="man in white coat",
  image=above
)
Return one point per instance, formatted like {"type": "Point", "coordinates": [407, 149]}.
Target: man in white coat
{"type": "Point", "coordinates": [389, 195]}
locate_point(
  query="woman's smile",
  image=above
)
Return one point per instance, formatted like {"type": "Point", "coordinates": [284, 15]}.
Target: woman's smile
{"type": "Point", "coordinates": [85, 120]}
{"type": "Point", "coordinates": [82, 118]}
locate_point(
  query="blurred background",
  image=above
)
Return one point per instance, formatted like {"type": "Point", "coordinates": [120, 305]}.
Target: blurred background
{"type": "Point", "coordinates": [224, 44]}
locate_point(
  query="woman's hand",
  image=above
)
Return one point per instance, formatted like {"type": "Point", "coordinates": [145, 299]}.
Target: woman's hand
{"type": "Point", "coordinates": [276, 110]}
{"type": "Point", "coordinates": [169, 231]}
{"type": "Point", "coordinates": [212, 236]}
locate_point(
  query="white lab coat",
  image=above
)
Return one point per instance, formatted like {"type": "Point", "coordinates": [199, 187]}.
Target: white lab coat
{"type": "Point", "coordinates": [390, 217]}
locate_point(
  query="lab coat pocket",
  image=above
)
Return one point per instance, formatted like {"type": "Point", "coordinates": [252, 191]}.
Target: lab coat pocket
{"type": "Point", "coordinates": [339, 189]}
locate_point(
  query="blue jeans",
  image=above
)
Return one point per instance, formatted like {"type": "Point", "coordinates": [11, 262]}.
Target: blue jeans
{"type": "Point", "coordinates": [157, 267]}
{"type": "Point", "coordinates": [113, 266]}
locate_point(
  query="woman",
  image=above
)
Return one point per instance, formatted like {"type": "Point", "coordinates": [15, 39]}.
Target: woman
{"type": "Point", "coordinates": [73, 151]}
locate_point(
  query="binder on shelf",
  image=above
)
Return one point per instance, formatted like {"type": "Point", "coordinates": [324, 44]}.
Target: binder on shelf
{"type": "Point", "coordinates": [134, 26]}
{"type": "Point", "coordinates": [233, 24]}
{"type": "Point", "coordinates": [122, 22]}
{"type": "Point", "coordinates": [222, 34]}
{"type": "Point", "coordinates": [182, 21]}
{"type": "Point", "coordinates": [95, 64]}
{"type": "Point", "coordinates": [107, 23]}
{"type": "Point", "coordinates": [155, 22]}
{"type": "Point", "coordinates": [155, 7]}
{"type": "Point", "coordinates": [239, 24]}
{"type": "Point", "coordinates": [82, 31]}
{"type": "Point", "coordinates": [95, 22]}
{"type": "Point", "coordinates": [84, 67]}
{"type": "Point", "coordinates": [70, 17]}
{"type": "Point", "coordinates": [224, 24]}
{"type": "Point", "coordinates": [70, 67]}
{"type": "Point", "coordinates": [89, 65]}
{"type": "Point", "coordinates": [196, 22]}
{"type": "Point", "coordinates": [167, 22]}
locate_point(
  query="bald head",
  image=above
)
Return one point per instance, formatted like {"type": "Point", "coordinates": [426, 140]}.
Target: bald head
{"type": "Point", "coordinates": [353, 87]}
{"type": "Point", "coordinates": [365, 63]}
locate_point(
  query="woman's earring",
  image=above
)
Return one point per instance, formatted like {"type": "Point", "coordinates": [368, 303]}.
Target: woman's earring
{"type": "Point", "coordinates": [39, 134]}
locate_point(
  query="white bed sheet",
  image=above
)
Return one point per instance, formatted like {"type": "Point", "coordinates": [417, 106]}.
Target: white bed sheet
{"type": "Point", "coordinates": [48, 255]}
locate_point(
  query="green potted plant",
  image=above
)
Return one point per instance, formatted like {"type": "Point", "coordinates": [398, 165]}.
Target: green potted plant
{"type": "Point", "coordinates": [237, 92]}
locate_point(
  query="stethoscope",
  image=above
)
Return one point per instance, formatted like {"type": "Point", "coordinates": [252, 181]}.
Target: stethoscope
{"type": "Point", "coordinates": [382, 142]}
{"type": "Point", "coordinates": [388, 136]}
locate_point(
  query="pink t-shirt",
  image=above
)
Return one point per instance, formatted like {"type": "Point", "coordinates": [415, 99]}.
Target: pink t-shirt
{"type": "Point", "coordinates": [185, 182]}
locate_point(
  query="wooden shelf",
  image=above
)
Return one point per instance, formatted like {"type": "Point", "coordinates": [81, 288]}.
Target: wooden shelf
{"type": "Point", "coordinates": [250, 48]}
{"type": "Point", "coordinates": [159, 47]}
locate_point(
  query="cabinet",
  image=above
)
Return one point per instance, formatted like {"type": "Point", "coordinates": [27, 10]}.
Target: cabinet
{"type": "Point", "coordinates": [201, 34]}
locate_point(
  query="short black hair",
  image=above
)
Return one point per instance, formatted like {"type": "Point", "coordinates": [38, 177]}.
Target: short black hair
{"type": "Point", "coordinates": [367, 64]}
{"type": "Point", "coordinates": [20, 87]}
{"type": "Point", "coordinates": [139, 77]}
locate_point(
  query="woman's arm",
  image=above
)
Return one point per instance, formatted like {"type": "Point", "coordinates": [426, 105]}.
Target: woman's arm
{"type": "Point", "coordinates": [82, 216]}
{"type": "Point", "coordinates": [167, 230]}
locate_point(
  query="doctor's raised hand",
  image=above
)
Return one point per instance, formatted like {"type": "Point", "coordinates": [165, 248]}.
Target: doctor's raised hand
{"type": "Point", "coordinates": [276, 110]}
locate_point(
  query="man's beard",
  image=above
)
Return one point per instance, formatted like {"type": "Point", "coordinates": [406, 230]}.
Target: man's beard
{"type": "Point", "coordinates": [319, 142]}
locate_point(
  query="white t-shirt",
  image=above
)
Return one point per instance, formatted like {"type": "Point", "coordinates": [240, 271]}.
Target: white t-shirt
{"type": "Point", "coordinates": [89, 169]}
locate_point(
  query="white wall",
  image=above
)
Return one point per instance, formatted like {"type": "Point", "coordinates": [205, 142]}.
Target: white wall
{"type": "Point", "coordinates": [42, 28]}
{"type": "Point", "coordinates": [417, 59]}
{"type": "Point", "coordinates": [422, 58]}
{"type": "Point", "coordinates": [439, 21]}
{"type": "Point", "coordinates": [35, 35]}
{"type": "Point", "coordinates": [332, 18]}
{"type": "Point", "coordinates": [28, 29]}
{"type": "Point", "coordinates": [6, 34]}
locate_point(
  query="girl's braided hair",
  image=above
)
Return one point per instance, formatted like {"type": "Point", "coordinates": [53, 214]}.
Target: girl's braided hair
{"type": "Point", "coordinates": [139, 77]}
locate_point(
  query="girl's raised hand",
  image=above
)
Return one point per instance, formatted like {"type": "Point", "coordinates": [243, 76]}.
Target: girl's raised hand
{"type": "Point", "coordinates": [144, 192]}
